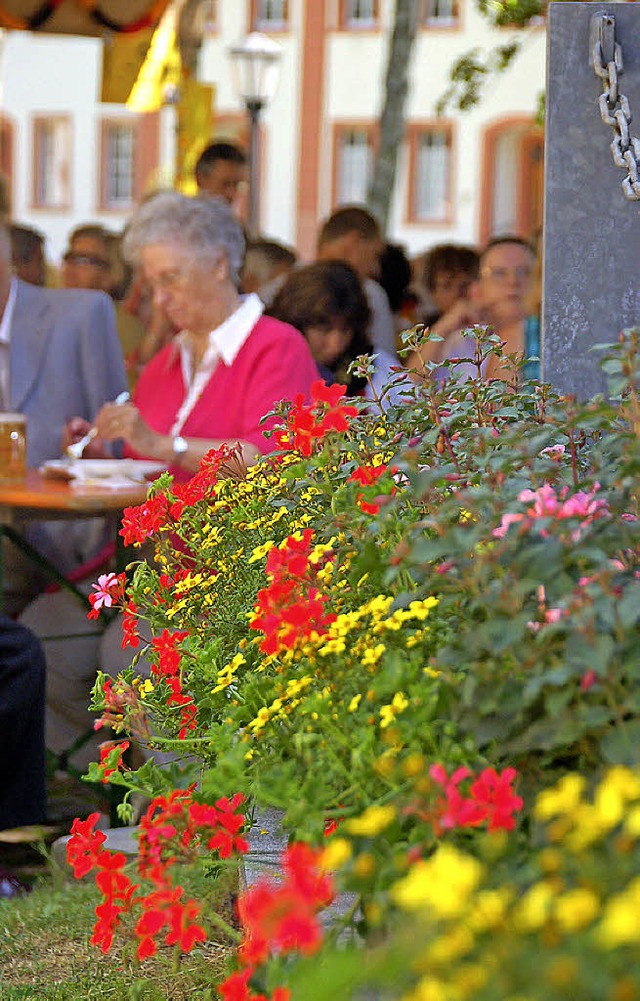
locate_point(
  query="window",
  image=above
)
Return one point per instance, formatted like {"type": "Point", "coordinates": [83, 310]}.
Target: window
{"type": "Point", "coordinates": [439, 13]}
{"type": "Point", "coordinates": [430, 174]}
{"type": "Point", "coordinates": [354, 162]}
{"type": "Point", "coordinates": [118, 164]}
{"type": "Point", "coordinates": [360, 13]}
{"type": "Point", "coordinates": [513, 178]}
{"type": "Point", "coordinates": [52, 162]}
{"type": "Point", "coordinates": [271, 15]}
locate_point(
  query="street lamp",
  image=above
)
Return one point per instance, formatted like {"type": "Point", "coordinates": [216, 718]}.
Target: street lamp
{"type": "Point", "coordinates": [255, 62]}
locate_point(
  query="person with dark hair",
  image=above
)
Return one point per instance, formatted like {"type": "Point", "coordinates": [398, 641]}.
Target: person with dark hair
{"type": "Point", "coordinates": [264, 261]}
{"type": "Point", "coordinates": [449, 269]}
{"type": "Point", "coordinates": [395, 279]}
{"type": "Point", "coordinates": [325, 301]}
{"type": "Point", "coordinates": [352, 234]}
{"type": "Point", "coordinates": [220, 170]}
{"type": "Point", "coordinates": [499, 299]}
{"type": "Point", "coordinates": [27, 254]}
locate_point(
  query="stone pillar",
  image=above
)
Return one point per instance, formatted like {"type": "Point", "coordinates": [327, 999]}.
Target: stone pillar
{"type": "Point", "coordinates": [591, 230]}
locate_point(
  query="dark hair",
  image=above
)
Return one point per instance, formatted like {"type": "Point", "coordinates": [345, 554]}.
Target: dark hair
{"type": "Point", "coordinates": [395, 274]}
{"type": "Point", "coordinates": [327, 294]}
{"type": "Point", "coordinates": [218, 151]}
{"type": "Point", "coordinates": [497, 241]}
{"type": "Point", "coordinates": [266, 256]}
{"type": "Point", "coordinates": [25, 242]}
{"type": "Point", "coordinates": [348, 219]}
{"type": "Point", "coordinates": [450, 257]}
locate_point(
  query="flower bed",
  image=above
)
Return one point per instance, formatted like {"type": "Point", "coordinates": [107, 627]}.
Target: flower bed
{"type": "Point", "coordinates": [404, 629]}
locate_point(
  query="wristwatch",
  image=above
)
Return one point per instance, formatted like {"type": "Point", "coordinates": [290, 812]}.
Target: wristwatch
{"type": "Point", "coordinates": [180, 446]}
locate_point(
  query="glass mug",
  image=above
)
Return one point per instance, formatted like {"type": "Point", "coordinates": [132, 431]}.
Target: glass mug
{"type": "Point", "coordinates": [13, 448]}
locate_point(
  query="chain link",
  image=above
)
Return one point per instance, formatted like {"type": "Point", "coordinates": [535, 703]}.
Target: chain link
{"type": "Point", "coordinates": [615, 110]}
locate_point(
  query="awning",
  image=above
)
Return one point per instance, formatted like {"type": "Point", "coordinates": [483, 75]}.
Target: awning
{"type": "Point", "coordinates": [81, 17]}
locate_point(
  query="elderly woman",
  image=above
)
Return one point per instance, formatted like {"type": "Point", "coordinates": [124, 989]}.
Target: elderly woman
{"type": "Point", "coordinates": [227, 366]}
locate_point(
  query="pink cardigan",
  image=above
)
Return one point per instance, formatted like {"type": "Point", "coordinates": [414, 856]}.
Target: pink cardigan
{"type": "Point", "coordinates": [273, 364]}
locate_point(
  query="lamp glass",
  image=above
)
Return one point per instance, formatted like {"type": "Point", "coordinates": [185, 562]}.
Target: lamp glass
{"type": "Point", "coordinates": [255, 63]}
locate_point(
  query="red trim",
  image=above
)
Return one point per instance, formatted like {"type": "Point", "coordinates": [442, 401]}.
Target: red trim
{"type": "Point", "coordinates": [524, 213]}
{"type": "Point", "coordinates": [312, 61]}
{"type": "Point", "coordinates": [414, 131]}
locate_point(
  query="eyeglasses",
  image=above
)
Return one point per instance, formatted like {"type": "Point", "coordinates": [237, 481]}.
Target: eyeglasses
{"type": "Point", "coordinates": [86, 260]}
{"type": "Point", "coordinates": [521, 273]}
{"type": "Point", "coordinates": [168, 280]}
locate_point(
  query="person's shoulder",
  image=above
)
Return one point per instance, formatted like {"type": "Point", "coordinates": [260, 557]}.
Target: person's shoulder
{"type": "Point", "coordinates": [374, 291]}
{"type": "Point", "coordinates": [62, 300]}
{"type": "Point", "coordinates": [269, 330]}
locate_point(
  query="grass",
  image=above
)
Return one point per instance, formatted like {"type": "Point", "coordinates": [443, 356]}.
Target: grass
{"type": "Point", "coordinates": [45, 953]}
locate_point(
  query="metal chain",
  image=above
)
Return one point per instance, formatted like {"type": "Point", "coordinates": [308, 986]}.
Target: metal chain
{"type": "Point", "coordinates": [606, 56]}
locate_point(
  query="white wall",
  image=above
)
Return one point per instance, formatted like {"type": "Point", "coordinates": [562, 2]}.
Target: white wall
{"type": "Point", "coordinates": [61, 74]}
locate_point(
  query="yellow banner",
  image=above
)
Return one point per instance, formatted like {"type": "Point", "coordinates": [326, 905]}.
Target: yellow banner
{"type": "Point", "coordinates": [160, 72]}
{"type": "Point", "coordinates": [122, 58]}
{"type": "Point", "coordinates": [195, 123]}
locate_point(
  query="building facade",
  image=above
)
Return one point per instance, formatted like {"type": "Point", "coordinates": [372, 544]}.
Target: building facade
{"type": "Point", "coordinates": [461, 177]}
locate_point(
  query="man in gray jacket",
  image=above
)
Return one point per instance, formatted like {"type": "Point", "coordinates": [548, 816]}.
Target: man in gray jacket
{"type": "Point", "coordinates": [60, 359]}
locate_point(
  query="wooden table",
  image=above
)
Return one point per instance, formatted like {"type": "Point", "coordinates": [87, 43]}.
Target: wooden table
{"type": "Point", "coordinates": [40, 498]}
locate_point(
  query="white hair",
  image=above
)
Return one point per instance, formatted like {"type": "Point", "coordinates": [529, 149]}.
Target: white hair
{"type": "Point", "coordinates": [204, 226]}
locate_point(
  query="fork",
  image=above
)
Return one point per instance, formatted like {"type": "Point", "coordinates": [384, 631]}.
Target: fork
{"type": "Point", "coordinates": [75, 450]}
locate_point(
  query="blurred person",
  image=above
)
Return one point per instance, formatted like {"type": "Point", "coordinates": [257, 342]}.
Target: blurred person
{"type": "Point", "coordinates": [60, 360]}
{"type": "Point", "coordinates": [220, 171]}
{"type": "Point", "coordinates": [229, 364]}
{"type": "Point", "coordinates": [264, 261]}
{"type": "Point", "coordinates": [326, 302]}
{"type": "Point", "coordinates": [352, 235]}
{"type": "Point", "coordinates": [395, 279]}
{"type": "Point", "coordinates": [213, 384]}
{"type": "Point", "coordinates": [22, 757]}
{"type": "Point", "coordinates": [499, 299]}
{"type": "Point", "coordinates": [93, 261]}
{"type": "Point", "coordinates": [449, 269]}
{"type": "Point", "coordinates": [27, 254]}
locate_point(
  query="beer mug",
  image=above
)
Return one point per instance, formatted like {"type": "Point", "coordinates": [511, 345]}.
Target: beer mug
{"type": "Point", "coordinates": [13, 448]}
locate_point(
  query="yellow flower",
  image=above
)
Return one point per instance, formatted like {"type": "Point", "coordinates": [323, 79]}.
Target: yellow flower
{"type": "Point", "coordinates": [429, 989]}
{"type": "Point", "coordinates": [374, 820]}
{"type": "Point", "coordinates": [355, 702]}
{"type": "Point", "coordinates": [337, 852]}
{"type": "Point", "coordinates": [562, 798]}
{"type": "Point", "coordinates": [260, 551]}
{"type": "Point", "coordinates": [632, 822]}
{"type": "Point", "coordinates": [620, 925]}
{"type": "Point", "coordinates": [146, 688]}
{"type": "Point", "coordinates": [576, 909]}
{"type": "Point", "coordinates": [450, 947]}
{"type": "Point", "coordinates": [489, 908]}
{"type": "Point", "coordinates": [260, 721]}
{"type": "Point", "coordinates": [533, 910]}
{"type": "Point", "coordinates": [442, 883]}
{"type": "Point", "coordinates": [389, 713]}
{"type": "Point", "coordinates": [373, 655]}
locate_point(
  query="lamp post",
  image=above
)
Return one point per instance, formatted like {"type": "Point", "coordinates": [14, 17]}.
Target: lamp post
{"type": "Point", "coordinates": [255, 62]}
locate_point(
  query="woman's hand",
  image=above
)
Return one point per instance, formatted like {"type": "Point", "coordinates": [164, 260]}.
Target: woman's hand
{"type": "Point", "coordinates": [123, 420]}
{"type": "Point", "coordinates": [74, 430]}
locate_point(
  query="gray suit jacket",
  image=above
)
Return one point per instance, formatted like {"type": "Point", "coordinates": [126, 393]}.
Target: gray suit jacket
{"type": "Point", "coordinates": [65, 361]}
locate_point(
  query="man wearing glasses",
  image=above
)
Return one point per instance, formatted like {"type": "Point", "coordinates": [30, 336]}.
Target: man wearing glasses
{"type": "Point", "coordinates": [87, 263]}
{"type": "Point", "coordinates": [499, 298]}
{"type": "Point", "coordinates": [93, 261]}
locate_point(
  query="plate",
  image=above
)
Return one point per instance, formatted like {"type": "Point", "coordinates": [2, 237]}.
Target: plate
{"type": "Point", "coordinates": [135, 470]}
